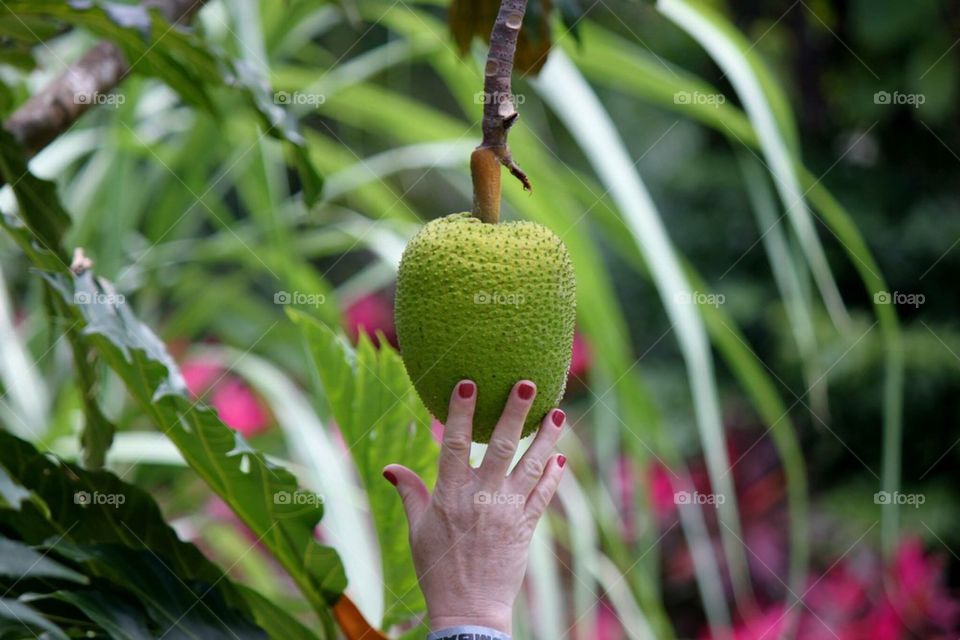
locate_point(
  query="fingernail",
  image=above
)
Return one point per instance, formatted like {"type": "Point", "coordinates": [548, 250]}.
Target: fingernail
{"type": "Point", "coordinates": [392, 479]}
{"type": "Point", "coordinates": [465, 390]}
{"type": "Point", "coordinates": [558, 417]}
{"type": "Point", "coordinates": [525, 391]}
{"type": "Point", "coordinates": [561, 460]}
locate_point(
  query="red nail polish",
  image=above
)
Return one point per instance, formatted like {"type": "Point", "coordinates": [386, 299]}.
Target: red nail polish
{"type": "Point", "coordinates": [558, 417]}
{"type": "Point", "coordinates": [465, 390]}
{"type": "Point", "coordinates": [392, 479]}
{"type": "Point", "coordinates": [561, 460]}
{"type": "Point", "coordinates": [525, 391]}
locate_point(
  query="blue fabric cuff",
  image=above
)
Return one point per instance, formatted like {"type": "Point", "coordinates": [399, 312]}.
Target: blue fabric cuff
{"type": "Point", "coordinates": [468, 632]}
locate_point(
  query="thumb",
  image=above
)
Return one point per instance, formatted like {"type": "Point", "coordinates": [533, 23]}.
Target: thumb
{"type": "Point", "coordinates": [412, 491]}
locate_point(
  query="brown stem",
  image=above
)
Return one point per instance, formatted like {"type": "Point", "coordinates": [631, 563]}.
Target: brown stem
{"type": "Point", "coordinates": [61, 103]}
{"type": "Point", "coordinates": [499, 114]}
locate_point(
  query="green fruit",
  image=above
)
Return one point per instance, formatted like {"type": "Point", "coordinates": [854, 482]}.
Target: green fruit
{"type": "Point", "coordinates": [492, 303]}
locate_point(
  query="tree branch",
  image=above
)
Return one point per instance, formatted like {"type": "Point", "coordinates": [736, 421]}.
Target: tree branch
{"type": "Point", "coordinates": [61, 103]}
{"type": "Point", "coordinates": [499, 114]}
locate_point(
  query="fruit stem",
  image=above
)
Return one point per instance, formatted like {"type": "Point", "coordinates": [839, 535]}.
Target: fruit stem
{"type": "Point", "coordinates": [485, 171]}
{"type": "Point", "coordinates": [499, 114]}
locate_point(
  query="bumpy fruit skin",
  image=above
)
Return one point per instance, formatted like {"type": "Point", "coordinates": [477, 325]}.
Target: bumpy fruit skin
{"type": "Point", "coordinates": [492, 303]}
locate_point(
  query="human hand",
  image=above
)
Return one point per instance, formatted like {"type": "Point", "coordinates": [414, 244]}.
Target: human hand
{"type": "Point", "coordinates": [470, 538]}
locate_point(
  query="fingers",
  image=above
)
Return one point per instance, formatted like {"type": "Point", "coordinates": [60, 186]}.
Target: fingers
{"type": "Point", "coordinates": [529, 470]}
{"type": "Point", "coordinates": [454, 464]}
{"type": "Point", "coordinates": [506, 435]}
{"type": "Point", "coordinates": [413, 492]}
{"type": "Point", "coordinates": [545, 489]}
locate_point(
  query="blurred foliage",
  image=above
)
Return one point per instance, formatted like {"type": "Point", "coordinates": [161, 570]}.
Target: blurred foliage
{"type": "Point", "coordinates": [196, 190]}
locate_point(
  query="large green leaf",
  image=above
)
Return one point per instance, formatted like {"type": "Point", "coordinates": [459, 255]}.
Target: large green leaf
{"type": "Point", "coordinates": [18, 560]}
{"type": "Point", "coordinates": [118, 618]}
{"type": "Point", "coordinates": [177, 607]}
{"type": "Point", "coordinates": [113, 534]}
{"type": "Point", "coordinates": [17, 617]}
{"type": "Point", "coordinates": [246, 481]}
{"type": "Point", "coordinates": [240, 475]}
{"type": "Point", "coordinates": [382, 422]}
{"type": "Point", "coordinates": [277, 622]}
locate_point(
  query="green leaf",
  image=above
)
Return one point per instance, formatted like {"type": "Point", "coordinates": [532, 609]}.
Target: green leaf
{"type": "Point", "coordinates": [18, 560]}
{"type": "Point", "coordinates": [115, 533]}
{"type": "Point", "coordinates": [118, 618]}
{"type": "Point", "coordinates": [237, 473]}
{"type": "Point", "coordinates": [382, 421]}
{"type": "Point", "coordinates": [273, 619]}
{"type": "Point", "coordinates": [92, 507]}
{"type": "Point", "coordinates": [41, 211]}
{"type": "Point", "coordinates": [770, 114]}
{"type": "Point", "coordinates": [16, 617]}
{"type": "Point", "coordinates": [97, 435]}
{"type": "Point", "coordinates": [181, 61]}
{"type": "Point", "coordinates": [178, 608]}
{"type": "Point", "coordinates": [178, 57]}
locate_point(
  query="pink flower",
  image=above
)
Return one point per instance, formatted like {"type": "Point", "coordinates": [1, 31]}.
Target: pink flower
{"type": "Point", "coordinates": [370, 314]}
{"type": "Point", "coordinates": [233, 399]}
{"type": "Point", "coordinates": [916, 589]}
{"type": "Point", "coordinates": [766, 624]}
{"type": "Point", "coordinates": [200, 375]}
{"type": "Point", "coordinates": [661, 491]}
{"type": "Point", "coordinates": [239, 408]}
{"type": "Point", "coordinates": [580, 361]}
{"type": "Point", "coordinates": [608, 624]}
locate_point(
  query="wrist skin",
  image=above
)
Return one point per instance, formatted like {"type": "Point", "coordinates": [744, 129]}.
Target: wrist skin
{"type": "Point", "coordinates": [500, 619]}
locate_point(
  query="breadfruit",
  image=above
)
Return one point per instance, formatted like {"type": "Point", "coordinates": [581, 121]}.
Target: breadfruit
{"type": "Point", "coordinates": [492, 303]}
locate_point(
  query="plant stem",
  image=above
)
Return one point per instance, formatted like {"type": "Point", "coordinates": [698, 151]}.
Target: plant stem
{"type": "Point", "coordinates": [57, 106]}
{"type": "Point", "coordinates": [499, 114]}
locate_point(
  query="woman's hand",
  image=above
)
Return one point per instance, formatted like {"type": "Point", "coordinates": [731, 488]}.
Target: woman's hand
{"type": "Point", "coordinates": [471, 537]}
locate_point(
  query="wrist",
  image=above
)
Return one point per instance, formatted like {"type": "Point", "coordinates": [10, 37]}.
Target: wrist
{"type": "Point", "coordinates": [500, 620]}
{"type": "Point", "coordinates": [468, 632]}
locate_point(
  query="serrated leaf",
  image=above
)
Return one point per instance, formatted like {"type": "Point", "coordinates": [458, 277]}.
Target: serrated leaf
{"type": "Point", "coordinates": [235, 471]}
{"type": "Point", "coordinates": [245, 480]}
{"type": "Point", "coordinates": [382, 421]}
